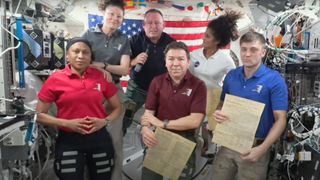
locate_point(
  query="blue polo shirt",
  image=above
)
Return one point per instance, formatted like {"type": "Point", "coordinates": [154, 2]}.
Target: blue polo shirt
{"type": "Point", "coordinates": [265, 86]}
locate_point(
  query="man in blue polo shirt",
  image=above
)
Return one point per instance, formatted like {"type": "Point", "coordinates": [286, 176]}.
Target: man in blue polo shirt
{"type": "Point", "coordinates": [253, 81]}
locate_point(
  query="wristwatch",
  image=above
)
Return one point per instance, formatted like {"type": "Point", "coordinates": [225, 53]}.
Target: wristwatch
{"type": "Point", "coordinates": [108, 121]}
{"type": "Point", "coordinates": [165, 123]}
{"type": "Point", "coordinates": [105, 65]}
{"type": "Point", "coordinates": [141, 126]}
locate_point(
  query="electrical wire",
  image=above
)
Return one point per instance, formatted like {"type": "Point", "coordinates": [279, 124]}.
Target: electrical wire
{"type": "Point", "coordinates": [126, 175]}
{"type": "Point", "coordinates": [296, 115]}
{"type": "Point", "coordinates": [288, 170]}
{"type": "Point", "coordinates": [30, 173]}
{"type": "Point", "coordinates": [264, 11]}
{"type": "Point", "coordinates": [198, 173]}
{"type": "Point", "coordinates": [47, 139]}
{"type": "Point", "coordinates": [318, 144]}
{"type": "Point", "coordinates": [27, 6]}
{"type": "Point", "coordinates": [10, 48]}
{"type": "Point", "coordinates": [15, 13]}
{"type": "Point", "coordinates": [29, 108]}
{"type": "Point", "coordinates": [39, 162]}
{"type": "Point", "coordinates": [8, 134]}
{"type": "Point", "coordinates": [6, 99]}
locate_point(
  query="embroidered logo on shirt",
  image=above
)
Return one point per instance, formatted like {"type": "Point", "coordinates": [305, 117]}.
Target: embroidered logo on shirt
{"type": "Point", "coordinates": [187, 92]}
{"type": "Point", "coordinates": [118, 47]}
{"type": "Point", "coordinates": [98, 87]}
{"type": "Point", "coordinates": [258, 88]}
{"type": "Point", "coordinates": [196, 64]}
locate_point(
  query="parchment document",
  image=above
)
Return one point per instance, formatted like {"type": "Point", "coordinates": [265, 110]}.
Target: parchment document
{"type": "Point", "coordinates": [238, 133]}
{"type": "Point", "coordinates": [213, 99]}
{"type": "Point", "coordinates": [170, 156]}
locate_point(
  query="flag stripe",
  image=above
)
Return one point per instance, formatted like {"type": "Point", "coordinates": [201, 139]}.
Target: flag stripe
{"type": "Point", "coordinates": [189, 32]}
{"type": "Point", "coordinates": [185, 30]}
{"type": "Point", "coordinates": [187, 36]}
{"type": "Point", "coordinates": [191, 42]}
{"type": "Point", "coordinates": [186, 23]}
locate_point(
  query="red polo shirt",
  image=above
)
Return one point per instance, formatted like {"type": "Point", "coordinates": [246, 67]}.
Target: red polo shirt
{"type": "Point", "coordinates": [173, 102]}
{"type": "Point", "coordinates": [75, 96]}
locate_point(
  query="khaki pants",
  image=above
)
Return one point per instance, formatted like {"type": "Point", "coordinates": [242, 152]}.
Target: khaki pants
{"type": "Point", "coordinates": [228, 165]}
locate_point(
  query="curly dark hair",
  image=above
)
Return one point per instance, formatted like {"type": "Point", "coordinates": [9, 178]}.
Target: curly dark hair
{"type": "Point", "coordinates": [103, 4]}
{"type": "Point", "coordinates": [224, 27]}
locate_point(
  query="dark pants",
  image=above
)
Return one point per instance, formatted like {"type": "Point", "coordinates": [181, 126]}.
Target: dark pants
{"type": "Point", "coordinates": [75, 151]}
{"type": "Point", "coordinates": [136, 98]}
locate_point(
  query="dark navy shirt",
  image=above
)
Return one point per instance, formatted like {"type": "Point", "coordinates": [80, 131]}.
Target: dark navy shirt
{"type": "Point", "coordinates": [265, 86]}
{"type": "Point", "coordinates": [155, 64]}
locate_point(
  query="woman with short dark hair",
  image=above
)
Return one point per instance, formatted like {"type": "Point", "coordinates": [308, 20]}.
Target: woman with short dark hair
{"type": "Point", "coordinates": [79, 92]}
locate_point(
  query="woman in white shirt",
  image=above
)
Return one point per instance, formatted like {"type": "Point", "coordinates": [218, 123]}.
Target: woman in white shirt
{"type": "Point", "coordinates": [213, 61]}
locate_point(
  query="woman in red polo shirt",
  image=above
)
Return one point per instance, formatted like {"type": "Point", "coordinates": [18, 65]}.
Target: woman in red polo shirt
{"type": "Point", "coordinates": [79, 92]}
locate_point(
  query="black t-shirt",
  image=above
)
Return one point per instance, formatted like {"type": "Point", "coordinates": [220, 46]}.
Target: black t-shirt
{"type": "Point", "coordinates": [155, 64]}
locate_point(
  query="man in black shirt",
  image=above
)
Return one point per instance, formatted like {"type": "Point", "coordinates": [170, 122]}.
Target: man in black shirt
{"type": "Point", "coordinates": [147, 60]}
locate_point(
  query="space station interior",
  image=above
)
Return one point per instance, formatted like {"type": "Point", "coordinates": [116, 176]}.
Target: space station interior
{"type": "Point", "coordinates": [32, 47]}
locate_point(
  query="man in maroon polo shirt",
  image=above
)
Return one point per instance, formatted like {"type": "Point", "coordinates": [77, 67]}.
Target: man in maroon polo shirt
{"type": "Point", "coordinates": [176, 101]}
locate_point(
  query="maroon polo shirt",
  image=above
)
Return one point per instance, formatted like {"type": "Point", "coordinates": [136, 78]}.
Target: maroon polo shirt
{"type": "Point", "coordinates": [75, 96]}
{"type": "Point", "coordinates": [173, 102]}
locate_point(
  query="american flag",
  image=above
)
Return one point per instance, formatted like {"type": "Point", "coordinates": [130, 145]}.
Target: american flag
{"type": "Point", "coordinates": [189, 32]}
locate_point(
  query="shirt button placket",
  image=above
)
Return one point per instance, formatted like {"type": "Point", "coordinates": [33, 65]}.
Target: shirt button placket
{"type": "Point", "coordinates": [82, 82]}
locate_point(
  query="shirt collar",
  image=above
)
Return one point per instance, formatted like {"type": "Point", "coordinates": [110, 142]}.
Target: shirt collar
{"type": "Point", "coordinates": [217, 53]}
{"type": "Point", "coordinates": [260, 72]}
{"type": "Point", "coordinates": [68, 72]}
{"type": "Point", "coordinates": [98, 29]}
{"type": "Point", "coordinates": [186, 76]}
{"type": "Point", "coordinates": [147, 38]}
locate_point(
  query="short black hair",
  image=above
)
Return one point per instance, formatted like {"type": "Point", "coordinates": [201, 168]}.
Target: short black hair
{"type": "Point", "coordinates": [177, 45]}
{"type": "Point", "coordinates": [103, 4]}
